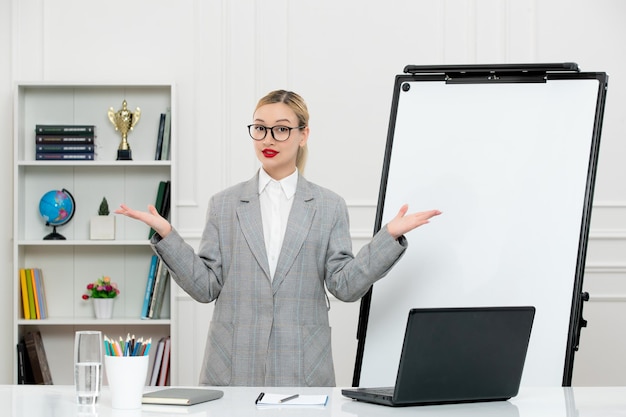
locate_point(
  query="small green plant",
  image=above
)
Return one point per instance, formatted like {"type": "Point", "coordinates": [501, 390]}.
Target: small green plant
{"type": "Point", "coordinates": [103, 210]}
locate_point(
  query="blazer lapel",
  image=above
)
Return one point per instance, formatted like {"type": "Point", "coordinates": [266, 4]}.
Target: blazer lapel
{"type": "Point", "coordinates": [298, 225]}
{"type": "Point", "coordinates": [249, 216]}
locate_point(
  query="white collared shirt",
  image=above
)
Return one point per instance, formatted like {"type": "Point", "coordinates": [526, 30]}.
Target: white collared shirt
{"type": "Point", "coordinates": [276, 199]}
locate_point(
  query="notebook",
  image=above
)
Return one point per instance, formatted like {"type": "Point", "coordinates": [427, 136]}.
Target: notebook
{"type": "Point", "coordinates": [181, 396]}
{"type": "Point", "coordinates": [457, 355]}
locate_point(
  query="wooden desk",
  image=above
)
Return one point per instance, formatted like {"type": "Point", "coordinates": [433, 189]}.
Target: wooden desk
{"type": "Point", "coordinates": [58, 400]}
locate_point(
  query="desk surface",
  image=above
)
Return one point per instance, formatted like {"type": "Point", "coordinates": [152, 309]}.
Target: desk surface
{"type": "Point", "coordinates": [58, 400]}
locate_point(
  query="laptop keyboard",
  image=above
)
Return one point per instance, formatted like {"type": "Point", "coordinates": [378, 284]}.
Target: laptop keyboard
{"type": "Point", "coordinates": [381, 391]}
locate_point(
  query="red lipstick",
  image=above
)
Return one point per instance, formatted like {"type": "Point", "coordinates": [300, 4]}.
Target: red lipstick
{"type": "Point", "coordinates": [269, 153]}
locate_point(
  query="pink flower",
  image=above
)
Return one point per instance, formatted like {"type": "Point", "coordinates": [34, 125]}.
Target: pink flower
{"type": "Point", "coordinates": [101, 288]}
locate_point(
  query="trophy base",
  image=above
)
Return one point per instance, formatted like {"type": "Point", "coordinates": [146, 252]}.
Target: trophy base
{"type": "Point", "coordinates": [124, 155]}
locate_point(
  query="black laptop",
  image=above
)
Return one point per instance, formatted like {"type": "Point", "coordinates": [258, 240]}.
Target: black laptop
{"type": "Point", "coordinates": [457, 355]}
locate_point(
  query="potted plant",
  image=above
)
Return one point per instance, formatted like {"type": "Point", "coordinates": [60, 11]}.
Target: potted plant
{"type": "Point", "coordinates": [103, 225]}
{"type": "Point", "coordinates": [102, 292]}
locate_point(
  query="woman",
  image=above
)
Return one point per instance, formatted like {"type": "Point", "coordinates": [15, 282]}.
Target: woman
{"type": "Point", "coordinates": [269, 248]}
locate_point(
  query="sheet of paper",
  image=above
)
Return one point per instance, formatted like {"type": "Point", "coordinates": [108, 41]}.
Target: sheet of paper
{"type": "Point", "coordinates": [286, 400]}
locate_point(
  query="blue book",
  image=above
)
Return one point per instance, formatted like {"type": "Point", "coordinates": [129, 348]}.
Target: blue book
{"type": "Point", "coordinates": [149, 287]}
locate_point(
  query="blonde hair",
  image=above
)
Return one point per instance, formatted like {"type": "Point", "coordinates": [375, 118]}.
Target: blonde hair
{"type": "Point", "coordinates": [297, 104]}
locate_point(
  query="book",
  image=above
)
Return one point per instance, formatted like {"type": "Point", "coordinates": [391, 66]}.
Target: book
{"type": "Point", "coordinates": [62, 156]}
{"type": "Point", "coordinates": [159, 142]}
{"type": "Point", "coordinates": [24, 291]}
{"type": "Point", "coordinates": [64, 147]}
{"type": "Point", "coordinates": [24, 368]}
{"type": "Point", "coordinates": [158, 295]}
{"type": "Point", "coordinates": [165, 363]}
{"type": "Point", "coordinates": [64, 129]}
{"type": "Point", "coordinates": [31, 294]}
{"type": "Point", "coordinates": [158, 203]}
{"type": "Point", "coordinates": [37, 357]}
{"type": "Point", "coordinates": [156, 365]}
{"type": "Point", "coordinates": [35, 293]}
{"type": "Point", "coordinates": [21, 364]}
{"type": "Point", "coordinates": [181, 396]}
{"type": "Point", "coordinates": [155, 288]}
{"type": "Point", "coordinates": [165, 206]}
{"type": "Point", "coordinates": [154, 261]}
{"type": "Point", "coordinates": [41, 293]}
{"type": "Point", "coordinates": [64, 139]}
{"type": "Point", "coordinates": [167, 134]}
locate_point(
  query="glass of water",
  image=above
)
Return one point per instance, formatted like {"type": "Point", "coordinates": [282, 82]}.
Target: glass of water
{"type": "Point", "coordinates": [88, 365]}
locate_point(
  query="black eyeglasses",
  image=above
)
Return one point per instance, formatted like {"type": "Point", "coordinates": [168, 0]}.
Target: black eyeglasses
{"type": "Point", "coordinates": [279, 133]}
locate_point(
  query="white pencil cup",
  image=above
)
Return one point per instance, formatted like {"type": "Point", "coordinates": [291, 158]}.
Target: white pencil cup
{"type": "Point", "coordinates": [126, 376]}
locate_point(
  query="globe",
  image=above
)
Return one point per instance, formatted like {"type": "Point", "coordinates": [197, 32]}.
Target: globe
{"type": "Point", "coordinates": [57, 207]}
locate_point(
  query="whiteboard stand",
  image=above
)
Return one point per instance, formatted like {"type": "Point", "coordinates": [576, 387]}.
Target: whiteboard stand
{"type": "Point", "coordinates": [508, 153]}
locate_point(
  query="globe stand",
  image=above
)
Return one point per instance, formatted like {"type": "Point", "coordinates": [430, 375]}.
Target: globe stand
{"type": "Point", "coordinates": [54, 235]}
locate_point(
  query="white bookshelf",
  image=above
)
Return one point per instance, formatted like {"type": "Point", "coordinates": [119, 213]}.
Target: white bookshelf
{"type": "Point", "coordinates": [69, 265]}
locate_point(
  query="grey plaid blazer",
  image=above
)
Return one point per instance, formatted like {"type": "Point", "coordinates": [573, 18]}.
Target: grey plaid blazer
{"type": "Point", "coordinates": [274, 332]}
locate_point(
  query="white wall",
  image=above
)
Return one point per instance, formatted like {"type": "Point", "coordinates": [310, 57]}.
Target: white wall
{"type": "Point", "coordinates": [6, 228]}
{"type": "Point", "coordinates": [342, 56]}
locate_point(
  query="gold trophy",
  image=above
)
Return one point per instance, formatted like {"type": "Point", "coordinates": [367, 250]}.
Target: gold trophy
{"type": "Point", "coordinates": [124, 121]}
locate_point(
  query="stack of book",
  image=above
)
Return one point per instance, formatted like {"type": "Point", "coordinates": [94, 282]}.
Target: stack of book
{"type": "Point", "coordinates": [162, 202]}
{"type": "Point", "coordinates": [32, 362]}
{"type": "Point", "coordinates": [161, 365]}
{"type": "Point", "coordinates": [34, 304]}
{"type": "Point", "coordinates": [156, 285]}
{"type": "Point", "coordinates": [162, 151]}
{"type": "Point", "coordinates": [64, 142]}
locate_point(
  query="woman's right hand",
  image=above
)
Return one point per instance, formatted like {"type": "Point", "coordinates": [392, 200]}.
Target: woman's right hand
{"type": "Point", "coordinates": [151, 217]}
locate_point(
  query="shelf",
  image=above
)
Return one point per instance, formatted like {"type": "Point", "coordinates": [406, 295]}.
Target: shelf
{"type": "Point", "coordinates": [69, 321]}
{"type": "Point", "coordinates": [69, 265]}
{"type": "Point", "coordinates": [87, 164]}
{"type": "Point", "coordinates": [83, 242]}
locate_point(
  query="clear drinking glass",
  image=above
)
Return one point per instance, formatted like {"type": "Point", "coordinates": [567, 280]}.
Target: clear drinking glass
{"type": "Point", "coordinates": [88, 365]}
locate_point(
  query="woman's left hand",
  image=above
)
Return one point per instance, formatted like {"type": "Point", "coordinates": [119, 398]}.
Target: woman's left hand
{"type": "Point", "coordinates": [404, 223]}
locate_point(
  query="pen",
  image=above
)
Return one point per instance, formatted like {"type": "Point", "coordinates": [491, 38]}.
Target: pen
{"type": "Point", "coordinates": [259, 398]}
{"type": "Point", "coordinates": [291, 397]}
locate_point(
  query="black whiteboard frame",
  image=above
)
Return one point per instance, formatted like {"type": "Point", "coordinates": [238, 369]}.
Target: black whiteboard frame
{"type": "Point", "coordinates": [508, 73]}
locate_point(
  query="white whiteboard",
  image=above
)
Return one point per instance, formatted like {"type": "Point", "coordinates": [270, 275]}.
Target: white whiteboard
{"type": "Point", "coordinates": [508, 165]}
